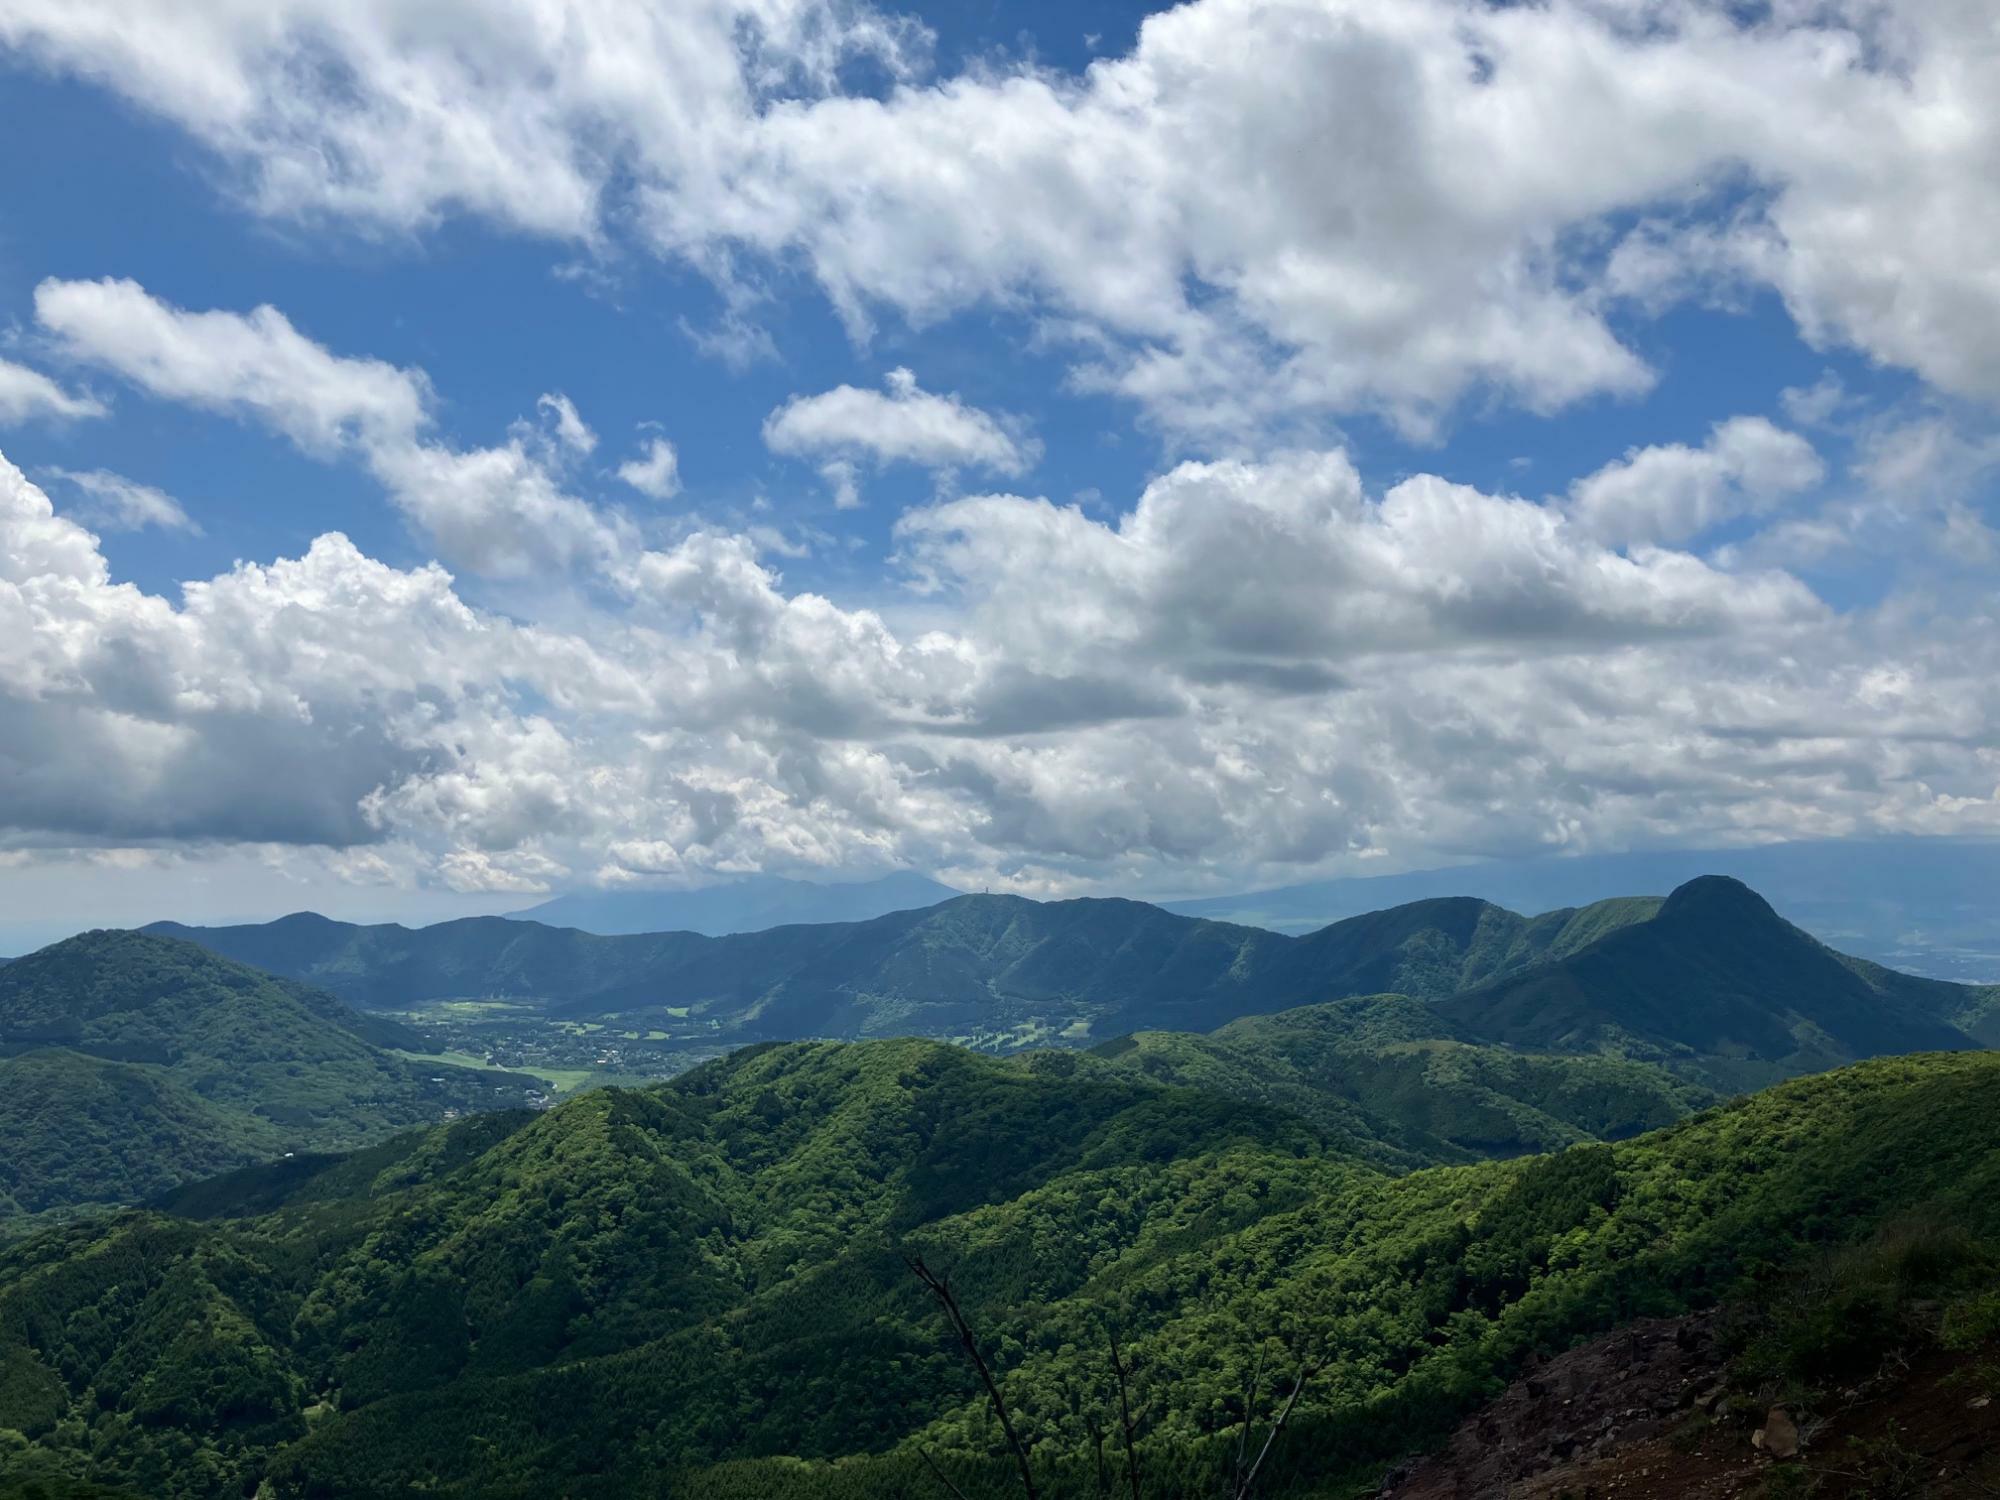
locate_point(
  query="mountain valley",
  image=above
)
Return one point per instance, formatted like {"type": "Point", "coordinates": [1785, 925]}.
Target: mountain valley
{"type": "Point", "coordinates": [1393, 1163]}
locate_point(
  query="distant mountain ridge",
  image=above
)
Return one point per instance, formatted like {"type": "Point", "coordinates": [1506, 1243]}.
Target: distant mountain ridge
{"type": "Point", "coordinates": [1923, 905]}
{"type": "Point", "coordinates": [750, 905]}
{"type": "Point", "coordinates": [1711, 971]}
{"type": "Point", "coordinates": [993, 968]}
{"type": "Point", "coordinates": [1625, 1024]}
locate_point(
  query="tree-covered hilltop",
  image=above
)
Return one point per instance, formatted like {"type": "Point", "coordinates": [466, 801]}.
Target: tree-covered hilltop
{"type": "Point", "coordinates": [1717, 983]}
{"type": "Point", "coordinates": [153, 999]}
{"type": "Point", "coordinates": [986, 965]}
{"type": "Point", "coordinates": [131, 1063]}
{"type": "Point", "coordinates": [699, 1288]}
{"type": "Point", "coordinates": [1403, 1086]}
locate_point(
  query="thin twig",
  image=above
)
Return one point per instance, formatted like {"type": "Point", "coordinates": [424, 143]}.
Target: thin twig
{"type": "Point", "coordinates": [1125, 1413]}
{"type": "Point", "coordinates": [940, 1288]}
{"type": "Point", "coordinates": [942, 1477]}
{"type": "Point", "coordinates": [1249, 1416]}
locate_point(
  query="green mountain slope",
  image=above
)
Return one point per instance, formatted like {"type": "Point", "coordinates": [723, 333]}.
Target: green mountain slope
{"type": "Point", "coordinates": [1718, 980]}
{"type": "Point", "coordinates": [997, 969]}
{"type": "Point", "coordinates": [80, 1128]}
{"type": "Point", "coordinates": [129, 1063]}
{"type": "Point", "coordinates": [696, 1289]}
{"type": "Point", "coordinates": [1431, 949]}
{"type": "Point", "coordinates": [1397, 1083]}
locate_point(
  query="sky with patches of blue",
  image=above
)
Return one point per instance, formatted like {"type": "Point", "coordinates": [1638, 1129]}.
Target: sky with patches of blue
{"type": "Point", "coordinates": [127, 180]}
{"type": "Point", "coordinates": [496, 320]}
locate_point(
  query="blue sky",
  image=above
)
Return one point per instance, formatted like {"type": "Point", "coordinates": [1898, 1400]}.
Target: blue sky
{"type": "Point", "coordinates": [121, 195]}
{"type": "Point", "coordinates": [1271, 261]}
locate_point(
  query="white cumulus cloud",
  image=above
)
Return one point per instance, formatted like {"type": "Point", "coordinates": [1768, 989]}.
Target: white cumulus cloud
{"type": "Point", "coordinates": [1671, 492]}
{"type": "Point", "coordinates": [1259, 667]}
{"type": "Point", "coordinates": [1263, 209]}
{"type": "Point", "coordinates": [902, 423]}
{"type": "Point", "coordinates": [501, 510]}
{"type": "Point", "coordinates": [656, 472]}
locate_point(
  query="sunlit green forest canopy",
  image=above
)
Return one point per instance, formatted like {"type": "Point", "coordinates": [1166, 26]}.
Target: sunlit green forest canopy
{"type": "Point", "coordinates": [699, 1288]}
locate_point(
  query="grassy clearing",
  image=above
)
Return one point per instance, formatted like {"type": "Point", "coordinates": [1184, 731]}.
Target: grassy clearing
{"type": "Point", "coordinates": [562, 1080]}
{"type": "Point", "coordinates": [453, 1060]}
{"type": "Point", "coordinates": [468, 1010]}
{"type": "Point", "coordinates": [569, 1080]}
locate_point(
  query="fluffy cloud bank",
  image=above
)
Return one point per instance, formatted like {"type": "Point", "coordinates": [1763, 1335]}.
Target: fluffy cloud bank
{"type": "Point", "coordinates": [1186, 212]}
{"type": "Point", "coordinates": [1259, 667]}
{"type": "Point", "coordinates": [1671, 492]}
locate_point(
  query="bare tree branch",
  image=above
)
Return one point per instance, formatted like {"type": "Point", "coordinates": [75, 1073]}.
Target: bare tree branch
{"type": "Point", "coordinates": [1249, 1416]}
{"type": "Point", "coordinates": [1306, 1373]}
{"type": "Point", "coordinates": [1097, 1446]}
{"type": "Point", "coordinates": [1125, 1413]}
{"type": "Point", "coordinates": [940, 1288]}
{"type": "Point", "coordinates": [943, 1478]}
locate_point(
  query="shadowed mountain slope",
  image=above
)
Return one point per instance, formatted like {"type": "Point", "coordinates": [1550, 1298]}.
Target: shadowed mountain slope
{"type": "Point", "coordinates": [1923, 905]}
{"type": "Point", "coordinates": [1716, 974]}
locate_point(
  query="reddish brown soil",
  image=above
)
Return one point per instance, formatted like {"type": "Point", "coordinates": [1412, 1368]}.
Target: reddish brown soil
{"type": "Point", "coordinates": [1645, 1412]}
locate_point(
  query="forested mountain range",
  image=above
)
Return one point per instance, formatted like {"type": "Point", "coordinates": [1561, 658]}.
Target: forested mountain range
{"type": "Point", "coordinates": [974, 962]}
{"type": "Point", "coordinates": [1600, 1023]}
{"type": "Point", "coordinates": [1625, 1026]}
{"type": "Point", "coordinates": [1319, 1153]}
{"type": "Point", "coordinates": [1458, 1031]}
{"type": "Point", "coordinates": [700, 1288]}
{"type": "Point", "coordinates": [1711, 972]}
{"type": "Point", "coordinates": [984, 965]}
{"type": "Point", "coordinates": [130, 1063]}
